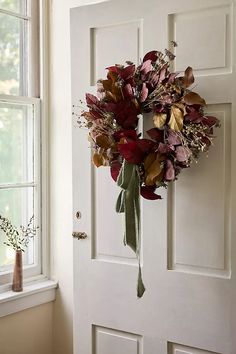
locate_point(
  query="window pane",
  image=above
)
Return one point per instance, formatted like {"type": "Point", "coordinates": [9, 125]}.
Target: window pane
{"type": "Point", "coordinates": [18, 6]}
{"type": "Point", "coordinates": [13, 55]}
{"type": "Point", "coordinates": [16, 143]}
{"type": "Point", "coordinates": [17, 205]}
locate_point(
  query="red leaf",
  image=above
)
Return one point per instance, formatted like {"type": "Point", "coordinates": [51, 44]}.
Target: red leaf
{"type": "Point", "coordinates": [147, 192]}
{"type": "Point", "coordinates": [127, 72]}
{"type": "Point", "coordinates": [114, 69]}
{"type": "Point", "coordinates": [143, 93]}
{"type": "Point", "coordinates": [92, 100]}
{"type": "Point", "coordinates": [129, 134]}
{"type": "Point", "coordinates": [150, 56]}
{"type": "Point", "coordinates": [131, 152]}
{"type": "Point", "coordinates": [135, 151]}
{"type": "Point", "coordinates": [125, 113]}
{"type": "Point", "coordinates": [115, 169]}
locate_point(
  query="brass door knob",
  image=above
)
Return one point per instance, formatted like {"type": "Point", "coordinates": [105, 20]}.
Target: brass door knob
{"type": "Point", "coordinates": [79, 235]}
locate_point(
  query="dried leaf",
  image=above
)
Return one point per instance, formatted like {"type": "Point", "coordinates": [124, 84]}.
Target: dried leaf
{"type": "Point", "coordinates": [146, 66]}
{"type": "Point", "coordinates": [182, 154]}
{"type": "Point", "coordinates": [148, 192]}
{"type": "Point", "coordinates": [127, 72]}
{"type": "Point", "coordinates": [188, 77]}
{"type": "Point", "coordinates": [159, 120]}
{"type": "Point", "coordinates": [149, 160]}
{"type": "Point", "coordinates": [193, 98]}
{"type": "Point", "coordinates": [156, 134]}
{"type": "Point", "coordinates": [143, 93]}
{"type": "Point", "coordinates": [150, 56]}
{"type": "Point", "coordinates": [176, 119]}
{"type": "Point", "coordinates": [103, 141]}
{"type": "Point", "coordinates": [99, 160]}
{"type": "Point", "coordinates": [92, 100]}
{"type": "Point", "coordinates": [169, 171]}
{"type": "Point", "coordinates": [115, 169]}
{"type": "Point", "coordinates": [128, 91]}
{"type": "Point", "coordinates": [153, 168]}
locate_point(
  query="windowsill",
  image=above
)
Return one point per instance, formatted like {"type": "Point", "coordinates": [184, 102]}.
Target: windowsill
{"type": "Point", "coordinates": [33, 295]}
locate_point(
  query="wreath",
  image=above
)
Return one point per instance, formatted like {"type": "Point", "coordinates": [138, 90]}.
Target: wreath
{"type": "Point", "coordinates": [139, 164]}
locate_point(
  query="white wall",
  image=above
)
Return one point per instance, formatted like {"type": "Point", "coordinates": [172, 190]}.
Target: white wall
{"type": "Point", "coordinates": [60, 172]}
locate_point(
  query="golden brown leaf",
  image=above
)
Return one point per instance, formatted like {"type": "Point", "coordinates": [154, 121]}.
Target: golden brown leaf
{"type": "Point", "coordinates": [176, 119]}
{"type": "Point", "coordinates": [182, 107]}
{"type": "Point", "coordinates": [194, 98]}
{"type": "Point", "coordinates": [99, 160]}
{"type": "Point", "coordinates": [149, 160]}
{"type": "Point", "coordinates": [159, 120]}
{"type": "Point", "coordinates": [153, 168]}
{"type": "Point", "coordinates": [103, 141]}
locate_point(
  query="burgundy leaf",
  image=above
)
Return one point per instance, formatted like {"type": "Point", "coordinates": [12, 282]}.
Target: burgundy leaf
{"type": "Point", "coordinates": [114, 69]}
{"type": "Point", "coordinates": [169, 171]}
{"type": "Point", "coordinates": [127, 72]}
{"type": "Point", "coordinates": [143, 93]}
{"type": "Point", "coordinates": [125, 113]}
{"type": "Point", "coordinates": [145, 145]}
{"type": "Point", "coordinates": [150, 56]}
{"type": "Point", "coordinates": [131, 152]}
{"type": "Point", "coordinates": [115, 169]}
{"type": "Point", "coordinates": [146, 66]}
{"type": "Point", "coordinates": [156, 134]}
{"type": "Point", "coordinates": [128, 134]}
{"type": "Point", "coordinates": [165, 148]}
{"type": "Point", "coordinates": [128, 91]}
{"type": "Point", "coordinates": [210, 121]}
{"type": "Point", "coordinates": [135, 151]}
{"type": "Point", "coordinates": [92, 100]}
{"type": "Point", "coordinates": [147, 192]}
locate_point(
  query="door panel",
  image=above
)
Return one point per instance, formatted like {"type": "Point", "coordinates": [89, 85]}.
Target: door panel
{"type": "Point", "coordinates": [188, 243]}
{"type": "Point", "coordinates": [203, 249]}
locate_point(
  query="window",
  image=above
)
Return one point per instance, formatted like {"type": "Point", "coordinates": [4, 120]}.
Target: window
{"type": "Point", "coordinates": [20, 125]}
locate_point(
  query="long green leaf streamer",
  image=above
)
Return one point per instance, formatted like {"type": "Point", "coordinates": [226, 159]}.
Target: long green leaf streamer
{"type": "Point", "coordinates": [128, 202]}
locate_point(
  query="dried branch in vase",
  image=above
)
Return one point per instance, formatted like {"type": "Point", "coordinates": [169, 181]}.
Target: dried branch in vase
{"type": "Point", "coordinates": [18, 239]}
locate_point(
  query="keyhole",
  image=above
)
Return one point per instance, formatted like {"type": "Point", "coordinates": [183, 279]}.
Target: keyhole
{"type": "Point", "coordinates": [78, 215]}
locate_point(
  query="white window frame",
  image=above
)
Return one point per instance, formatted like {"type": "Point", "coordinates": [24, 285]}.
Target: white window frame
{"type": "Point", "coordinates": [40, 270]}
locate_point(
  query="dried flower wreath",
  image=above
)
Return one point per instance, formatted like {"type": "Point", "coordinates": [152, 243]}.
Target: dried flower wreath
{"type": "Point", "coordinates": [140, 165]}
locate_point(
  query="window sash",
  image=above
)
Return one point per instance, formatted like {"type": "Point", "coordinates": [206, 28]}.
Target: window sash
{"type": "Point", "coordinates": [36, 267]}
{"type": "Point", "coordinates": [30, 39]}
{"type": "Point", "coordinates": [36, 15]}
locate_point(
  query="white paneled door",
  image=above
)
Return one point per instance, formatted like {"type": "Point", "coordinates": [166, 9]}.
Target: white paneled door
{"type": "Point", "coordinates": [189, 237]}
